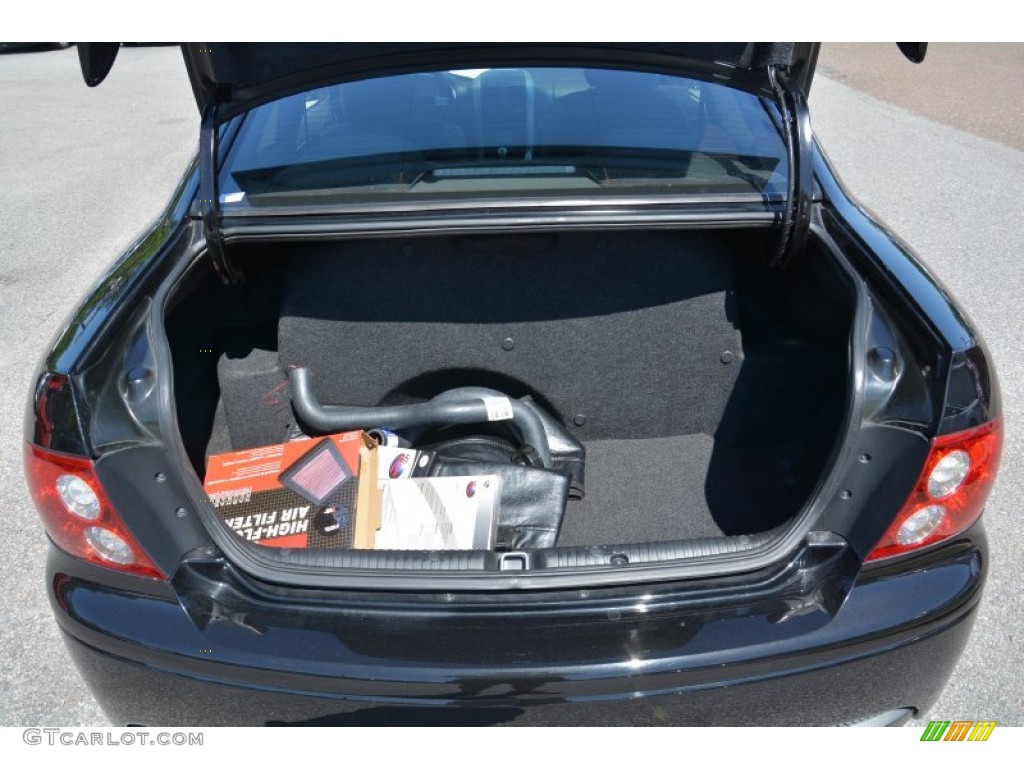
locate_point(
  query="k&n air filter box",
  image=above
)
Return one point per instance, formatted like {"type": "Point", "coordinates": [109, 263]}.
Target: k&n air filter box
{"type": "Point", "coordinates": [321, 493]}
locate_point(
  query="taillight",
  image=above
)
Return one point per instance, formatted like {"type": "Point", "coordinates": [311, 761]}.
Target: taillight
{"type": "Point", "coordinates": [77, 514]}
{"type": "Point", "coordinates": [950, 494]}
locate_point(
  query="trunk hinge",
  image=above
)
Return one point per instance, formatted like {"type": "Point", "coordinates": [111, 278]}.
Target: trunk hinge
{"type": "Point", "coordinates": [209, 199]}
{"type": "Point", "coordinates": [796, 131]}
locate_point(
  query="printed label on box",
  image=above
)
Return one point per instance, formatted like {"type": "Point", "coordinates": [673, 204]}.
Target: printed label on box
{"type": "Point", "coordinates": [299, 494]}
{"type": "Point", "coordinates": [439, 513]}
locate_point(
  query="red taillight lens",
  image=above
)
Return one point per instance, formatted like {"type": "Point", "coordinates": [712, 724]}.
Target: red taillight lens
{"type": "Point", "coordinates": [950, 494]}
{"type": "Point", "coordinates": [77, 514]}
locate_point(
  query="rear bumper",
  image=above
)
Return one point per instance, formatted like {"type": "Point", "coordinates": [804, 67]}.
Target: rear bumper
{"type": "Point", "coordinates": [218, 655]}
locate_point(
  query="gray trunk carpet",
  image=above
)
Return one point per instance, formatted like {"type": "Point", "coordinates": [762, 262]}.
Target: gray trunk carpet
{"type": "Point", "coordinates": [680, 487]}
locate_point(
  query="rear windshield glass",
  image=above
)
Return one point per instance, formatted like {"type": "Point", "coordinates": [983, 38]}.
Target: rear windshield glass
{"type": "Point", "coordinates": [505, 132]}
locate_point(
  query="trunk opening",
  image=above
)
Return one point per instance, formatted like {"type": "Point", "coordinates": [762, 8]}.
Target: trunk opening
{"type": "Point", "coordinates": [708, 388]}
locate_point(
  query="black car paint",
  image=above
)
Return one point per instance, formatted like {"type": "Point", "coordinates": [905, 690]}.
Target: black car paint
{"type": "Point", "coordinates": [884, 636]}
{"type": "Point", "coordinates": [137, 272]}
{"type": "Point", "coordinates": [221, 649]}
{"type": "Point", "coordinates": [894, 269]}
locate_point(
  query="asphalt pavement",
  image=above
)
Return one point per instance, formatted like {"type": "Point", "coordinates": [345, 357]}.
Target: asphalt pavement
{"type": "Point", "coordinates": [84, 171]}
{"type": "Point", "coordinates": [977, 87]}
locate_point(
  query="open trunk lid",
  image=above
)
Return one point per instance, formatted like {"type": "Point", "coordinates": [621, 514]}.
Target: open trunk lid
{"type": "Point", "coordinates": [235, 77]}
{"type": "Point", "coordinates": [228, 79]}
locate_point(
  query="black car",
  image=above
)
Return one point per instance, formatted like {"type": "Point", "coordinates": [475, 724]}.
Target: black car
{"type": "Point", "coordinates": [743, 437]}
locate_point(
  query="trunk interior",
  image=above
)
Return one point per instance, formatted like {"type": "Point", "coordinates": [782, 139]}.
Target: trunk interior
{"type": "Point", "coordinates": [707, 388]}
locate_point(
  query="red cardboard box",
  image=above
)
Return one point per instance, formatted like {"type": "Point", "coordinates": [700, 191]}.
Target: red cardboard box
{"type": "Point", "coordinates": [319, 493]}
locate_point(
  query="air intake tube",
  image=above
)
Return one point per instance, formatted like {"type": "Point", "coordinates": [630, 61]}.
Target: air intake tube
{"type": "Point", "coordinates": [466, 405]}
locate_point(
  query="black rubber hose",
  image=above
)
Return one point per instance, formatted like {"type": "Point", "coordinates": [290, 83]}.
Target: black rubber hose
{"type": "Point", "coordinates": [457, 406]}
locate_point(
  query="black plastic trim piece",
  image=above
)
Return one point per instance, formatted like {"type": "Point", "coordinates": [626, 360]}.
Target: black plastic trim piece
{"type": "Point", "coordinates": [651, 552]}
{"type": "Point", "coordinates": [149, 499]}
{"type": "Point", "coordinates": [556, 557]}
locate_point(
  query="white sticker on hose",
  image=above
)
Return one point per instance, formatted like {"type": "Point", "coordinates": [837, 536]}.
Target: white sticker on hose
{"type": "Point", "coordinates": [498, 408]}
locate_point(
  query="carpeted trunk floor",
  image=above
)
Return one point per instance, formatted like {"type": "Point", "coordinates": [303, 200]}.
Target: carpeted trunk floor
{"type": "Point", "coordinates": [681, 487]}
